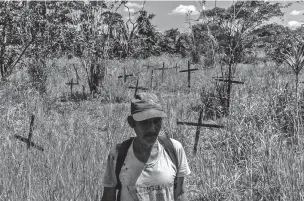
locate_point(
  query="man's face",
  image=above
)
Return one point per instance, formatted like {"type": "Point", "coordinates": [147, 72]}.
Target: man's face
{"type": "Point", "coordinates": [148, 130]}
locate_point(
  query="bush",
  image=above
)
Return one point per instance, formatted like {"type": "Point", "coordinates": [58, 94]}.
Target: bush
{"type": "Point", "coordinates": [38, 76]}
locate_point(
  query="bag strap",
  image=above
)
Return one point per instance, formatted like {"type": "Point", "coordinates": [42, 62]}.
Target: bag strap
{"type": "Point", "coordinates": [169, 148]}
{"type": "Point", "coordinates": [122, 153]}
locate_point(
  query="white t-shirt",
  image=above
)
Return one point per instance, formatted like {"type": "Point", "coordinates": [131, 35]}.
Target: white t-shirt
{"type": "Point", "coordinates": [153, 181]}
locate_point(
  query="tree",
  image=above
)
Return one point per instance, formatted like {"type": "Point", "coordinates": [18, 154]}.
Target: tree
{"type": "Point", "coordinates": [273, 39]}
{"type": "Point", "coordinates": [168, 41]}
{"type": "Point", "coordinates": [142, 38]}
{"type": "Point", "coordinates": [233, 29]}
{"type": "Point", "coordinates": [94, 24]}
{"type": "Point", "coordinates": [20, 27]}
{"type": "Point", "coordinates": [295, 59]}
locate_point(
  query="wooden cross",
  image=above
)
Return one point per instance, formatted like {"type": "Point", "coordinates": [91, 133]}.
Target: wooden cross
{"type": "Point", "coordinates": [120, 53]}
{"type": "Point", "coordinates": [230, 82]}
{"type": "Point", "coordinates": [137, 87]}
{"type": "Point", "coordinates": [163, 70]}
{"type": "Point", "coordinates": [151, 82]}
{"type": "Point", "coordinates": [149, 66]}
{"type": "Point", "coordinates": [28, 140]}
{"type": "Point", "coordinates": [83, 92]}
{"type": "Point", "coordinates": [71, 83]}
{"type": "Point", "coordinates": [189, 73]}
{"type": "Point", "coordinates": [125, 75]}
{"type": "Point", "coordinates": [198, 125]}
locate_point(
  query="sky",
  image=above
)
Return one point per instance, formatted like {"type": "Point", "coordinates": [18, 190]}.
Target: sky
{"type": "Point", "coordinates": [172, 14]}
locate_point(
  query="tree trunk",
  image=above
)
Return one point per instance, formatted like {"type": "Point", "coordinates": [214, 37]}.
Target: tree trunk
{"type": "Point", "coordinates": [3, 47]}
{"type": "Point", "coordinates": [297, 108]}
{"type": "Point", "coordinates": [97, 74]}
{"type": "Point", "coordinates": [229, 87]}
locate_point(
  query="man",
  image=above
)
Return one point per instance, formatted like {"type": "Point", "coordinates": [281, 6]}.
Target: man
{"type": "Point", "coordinates": [147, 167]}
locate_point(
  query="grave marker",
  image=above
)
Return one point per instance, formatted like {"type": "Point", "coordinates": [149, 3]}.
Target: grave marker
{"type": "Point", "coordinates": [149, 66]}
{"type": "Point", "coordinates": [125, 75]}
{"type": "Point", "coordinates": [83, 92]}
{"type": "Point", "coordinates": [189, 73]}
{"type": "Point", "coordinates": [28, 140]}
{"type": "Point", "coordinates": [176, 68]}
{"type": "Point", "coordinates": [163, 70]}
{"type": "Point", "coordinates": [71, 83]}
{"type": "Point", "coordinates": [137, 87]}
{"type": "Point", "coordinates": [230, 82]}
{"type": "Point", "coordinates": [152, 75]}
{"type": "Point", "coordinates": [198, 125]}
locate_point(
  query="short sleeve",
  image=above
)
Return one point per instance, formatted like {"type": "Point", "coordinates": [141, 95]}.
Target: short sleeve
{"type": "Point", "coordinates": [109, 178]}
{"type": "Point", "coordinates": [183, 168]}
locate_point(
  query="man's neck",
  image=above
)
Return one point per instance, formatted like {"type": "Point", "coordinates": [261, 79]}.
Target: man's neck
{"type": "Point", "coordinates": [143, 152]}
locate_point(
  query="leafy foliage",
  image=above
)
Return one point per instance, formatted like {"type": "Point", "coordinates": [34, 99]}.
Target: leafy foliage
{"type": "Point", "coordinates": [234, 27]}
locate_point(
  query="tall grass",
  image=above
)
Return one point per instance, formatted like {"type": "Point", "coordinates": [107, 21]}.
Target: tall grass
{"type": "Point", "coordinates": [252, 158]}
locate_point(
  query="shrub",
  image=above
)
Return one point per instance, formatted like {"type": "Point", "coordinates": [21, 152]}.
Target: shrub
{"type": "Point", "coordinates": [38, 76]}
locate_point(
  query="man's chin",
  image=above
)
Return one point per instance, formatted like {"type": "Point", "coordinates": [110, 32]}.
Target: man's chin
{"type": "Point", "coordinates": [151, 139]}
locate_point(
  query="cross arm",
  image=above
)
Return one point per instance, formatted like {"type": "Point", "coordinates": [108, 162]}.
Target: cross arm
{"type": "Point", "coordinates": [201, 124]}
{"type": "Point", "coordinates": [193, 69]}
{"type": "Point", "coordinates": [142, 88]}
{"type": "Point", "coordinates": [121, 76]}
{"type": "Point", "coordinates": [163, 68]}
{"type": "Point", "coordinates": [32, 144]}
{"type": "Point", "coordinates": [230, 81]}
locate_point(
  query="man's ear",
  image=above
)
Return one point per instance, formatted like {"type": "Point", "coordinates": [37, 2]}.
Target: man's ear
{"type": "Point", "coordinates": [131, 121]}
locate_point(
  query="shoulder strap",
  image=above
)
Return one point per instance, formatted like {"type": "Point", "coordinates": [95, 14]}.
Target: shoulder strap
{"type": "Point", "coordinates": [122, 153]}
{"type": "Point", "coordinates": [169, 148]}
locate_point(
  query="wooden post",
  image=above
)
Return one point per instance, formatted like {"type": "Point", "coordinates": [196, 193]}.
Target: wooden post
{"type": "Point", "coordinates": [229, 88]}
{"type": "Point", "coordinates": [198, 128]}
{"type": "Point", "coordinates": [71, 87]}
{"type": "Point", "coordinates": [137, 87]}
{"type": "Point", "coordinates": [148, 67]}
{"type": "Point", "coordinates": [152, 74]}
{"type": "Point", "coordinates": [125, 75]}
{"type": "Point", "coordinates": [28, 140]}
{"type": "Point", "coordinates": [189, 75]}
{"type": "Point", "coordinates": [77, 76]}
{"type": "Point", "coordinates": [189, 71]}
{"type": "Point", "coordinates": [163, 70]}
{"type": "Point", "coordinates": [83, 91]}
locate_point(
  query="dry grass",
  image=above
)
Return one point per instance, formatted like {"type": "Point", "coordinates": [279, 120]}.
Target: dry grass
{"type": "Point", "coordinates": [253, 158]}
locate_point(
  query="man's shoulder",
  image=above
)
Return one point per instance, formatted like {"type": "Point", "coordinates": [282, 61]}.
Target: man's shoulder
{"type": "Point", "coordinates": [114, 150]}
{"type": "Point", "coordinates": [176, 143]}
{"type": "Point", "coordinates": [117, 147]}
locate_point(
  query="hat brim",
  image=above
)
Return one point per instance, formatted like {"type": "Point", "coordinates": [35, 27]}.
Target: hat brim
{"type": "Point", "coordinates": [148, 114]}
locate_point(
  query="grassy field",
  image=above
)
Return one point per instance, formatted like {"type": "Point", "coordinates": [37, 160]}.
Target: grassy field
{"type": "Point", "coordinates": [252, 158]}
